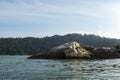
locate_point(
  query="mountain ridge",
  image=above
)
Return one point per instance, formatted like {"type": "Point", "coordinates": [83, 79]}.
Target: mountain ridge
{"type": "Point", "coordinates": [31, 45]}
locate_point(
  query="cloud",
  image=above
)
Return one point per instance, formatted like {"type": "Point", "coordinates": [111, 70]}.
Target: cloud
{"type": "Point", "coordinates": [39, 9]}
{"type": "Point", "coordinates": [36, 11]}
{"type": "Point", "coordinates": [82, 16]}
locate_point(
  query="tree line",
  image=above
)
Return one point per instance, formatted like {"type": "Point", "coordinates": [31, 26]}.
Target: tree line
{"type": "Point", "coordinates": [31, 45]}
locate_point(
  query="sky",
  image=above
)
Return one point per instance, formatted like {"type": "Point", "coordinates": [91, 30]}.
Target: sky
{"type": "Point", "coordinates": [39, 18]}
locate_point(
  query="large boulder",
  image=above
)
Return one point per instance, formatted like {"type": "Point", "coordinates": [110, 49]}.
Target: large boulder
{"type": "Point", "coordinates": [69, 50]}
{"type": "Point", "coordinates": [75, 50]}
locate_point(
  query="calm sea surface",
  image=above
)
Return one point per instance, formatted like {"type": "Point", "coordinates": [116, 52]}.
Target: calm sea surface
{"type": "Point", "coordinates": [20, 68]}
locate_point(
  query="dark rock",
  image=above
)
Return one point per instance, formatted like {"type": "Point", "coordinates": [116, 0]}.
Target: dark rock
{"type": "Point", "coordinates": [70, 50]}
{"type": "Point", "coordinates": [115, 65]}
{"type": "Point", "coordinates": [75, 50]}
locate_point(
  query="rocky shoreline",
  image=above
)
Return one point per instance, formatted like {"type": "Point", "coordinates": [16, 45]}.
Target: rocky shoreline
{"type": "Point", "coordinates": [75, 50]}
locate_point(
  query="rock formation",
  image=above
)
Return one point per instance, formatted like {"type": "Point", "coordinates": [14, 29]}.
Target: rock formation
{"type": "Point", "coordinates": [75, 50]}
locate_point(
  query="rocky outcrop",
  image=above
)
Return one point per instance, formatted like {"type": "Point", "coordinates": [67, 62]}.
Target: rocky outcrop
{"type": "Point", "coordinates": [75, 50]}
{"type": "Point", "coordinates": [106, 53]}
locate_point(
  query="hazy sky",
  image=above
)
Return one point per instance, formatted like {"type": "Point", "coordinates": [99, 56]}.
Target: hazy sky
{"type": "Point", "coordinates": [38, 18]}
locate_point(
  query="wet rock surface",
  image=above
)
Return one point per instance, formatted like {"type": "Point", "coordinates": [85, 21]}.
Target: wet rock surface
{"type": "Point", "coordinates": [75, 50]}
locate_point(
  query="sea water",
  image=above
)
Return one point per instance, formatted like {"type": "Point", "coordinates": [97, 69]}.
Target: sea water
{"type": "Point", "coordinates": [21, 68]}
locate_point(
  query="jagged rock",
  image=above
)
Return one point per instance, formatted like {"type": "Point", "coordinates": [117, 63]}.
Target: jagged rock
{"type": "Point", "coordinates": [68, 50]}
{"type": "Point", "coordinates": [106, 53]}
{"type": "Point", "coordinates": [75, 50]}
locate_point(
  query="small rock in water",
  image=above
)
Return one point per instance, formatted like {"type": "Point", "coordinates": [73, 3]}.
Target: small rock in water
{"type": "Point", "coordinates": [115, 65]}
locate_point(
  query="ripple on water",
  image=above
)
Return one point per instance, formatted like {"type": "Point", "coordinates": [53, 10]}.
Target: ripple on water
{"type": "Point", "coordinates": [20, 68]}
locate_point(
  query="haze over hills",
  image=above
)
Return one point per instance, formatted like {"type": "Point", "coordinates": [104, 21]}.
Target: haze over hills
{"type": "Point", "coordinates": [31, 45]}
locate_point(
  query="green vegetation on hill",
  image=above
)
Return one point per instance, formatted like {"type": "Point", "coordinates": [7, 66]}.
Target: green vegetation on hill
{"type": "Point", "coordinates": [31, 45]}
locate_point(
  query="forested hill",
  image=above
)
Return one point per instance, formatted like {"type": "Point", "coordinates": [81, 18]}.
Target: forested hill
{"type": "Point", "coordinates": [30, 45]}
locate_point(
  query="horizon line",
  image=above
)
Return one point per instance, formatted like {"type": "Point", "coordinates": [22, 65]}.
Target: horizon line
{"type": "Point", "coordinates": [61, 35]}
